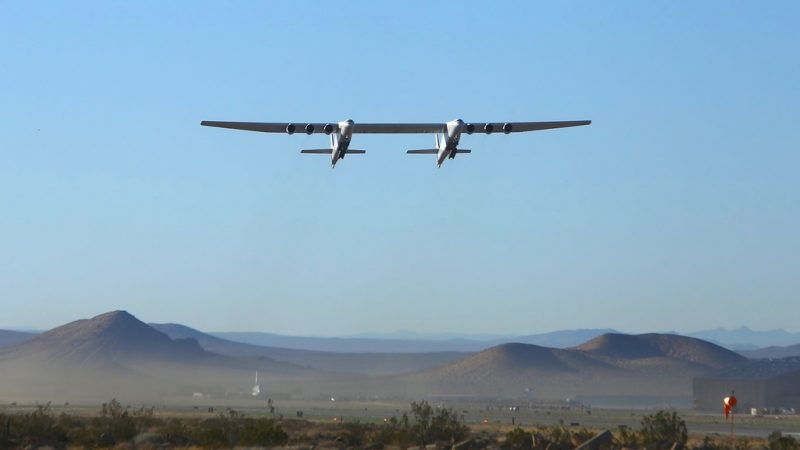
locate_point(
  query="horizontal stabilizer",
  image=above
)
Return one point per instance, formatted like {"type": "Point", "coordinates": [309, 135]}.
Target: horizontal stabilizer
{"type": "Point", "coordinates": [427, 151]}
{"type": "Point", "coordinates": [463, 151]}
{"type": "Point", "coordinates": [318, 151]}
{"type": "Point", "coordinates": [357, 152]}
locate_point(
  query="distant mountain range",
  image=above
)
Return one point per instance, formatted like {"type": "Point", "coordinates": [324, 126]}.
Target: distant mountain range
{"type": "Point", "coordinates": [364, 363]}
{"type": "Point", "coordinates": [116, 354]}
{"type": "Point", "coordinates": [8, 337]}
{"type": "Point", "coordinates": [746, 341]}
{"type": "Point", "coordinates": [774, 352]}
{"type": "Point", "coordinates": [744, 338]}
{"type": "Point", "coordinates": [737, 339]}
{"type": "Point", "coordinates": [406, 342]}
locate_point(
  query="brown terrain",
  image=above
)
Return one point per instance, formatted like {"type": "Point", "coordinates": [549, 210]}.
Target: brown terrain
{"type": "Point", "coordinates": [115, 354]}
{"type": "Point", "coordinates": [611, 364]}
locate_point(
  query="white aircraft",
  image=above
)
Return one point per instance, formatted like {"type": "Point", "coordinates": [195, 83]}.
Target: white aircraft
{"type": "Point", "coordinates": [446, 146]}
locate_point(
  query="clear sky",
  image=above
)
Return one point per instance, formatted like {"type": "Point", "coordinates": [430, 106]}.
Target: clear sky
{"type": "Point", "coordinates": [677, 209]}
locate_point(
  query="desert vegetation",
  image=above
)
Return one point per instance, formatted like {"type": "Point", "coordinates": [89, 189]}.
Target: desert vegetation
{"type": "Point", "coordinates": [116, 425]}
{"type": "Point", "coordinates": [424, 426]}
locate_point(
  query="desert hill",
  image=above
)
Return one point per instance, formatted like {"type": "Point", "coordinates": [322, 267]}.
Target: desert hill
{"type": "Point", "coordinates": [526, 357]}
{"type": "Point", "coordinates": [356, 363]}
{"type": "Point", "coordinates": [611, 364]}
{"type": "Point", "coordinates": [116, 354]}
{"type": "Point", "coordinates": [509, 370]}
{"type": "Point", "coordinates": [112, 337]}
{"type": "Point", "coordinates": [616, 348]}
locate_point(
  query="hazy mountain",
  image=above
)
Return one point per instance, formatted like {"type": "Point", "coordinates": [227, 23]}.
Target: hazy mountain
{"type": "Point", "coordinates": [10, 337]}
{"type": "Point", "coordinates": [741, 338]}
{"type": "Point", "coordinates": [744, 338]}
{"type": "Point", "coordinates": [405, 335]}
{"type": "Point", "coordinates": [115, 354]}
{"type": "Point", "coordinates": [564, 338]}
{"type": "Point", "coordinates": [774, 352]}
{"type": "Point", "coordinates": [661, 351]}
{"type": "Point", "coordinates": [113, 337]}
{"type": "Point", "coordinates": [353, 345]}
{"type": "Point", "coordinates": [358, 363]}
{"type": "Point", "coordinates": [408, 342]}
{"type": "Point", "coordinates": [611, 364]}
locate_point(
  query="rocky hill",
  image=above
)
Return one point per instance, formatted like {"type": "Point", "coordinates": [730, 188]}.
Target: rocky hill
{"type": "Point", "coordinates": [611, 364]}
{"type": "Point", "coordinates": [665, 350]}
{"type": "Point", "coordinates": [116, 354]}
{"type": "Point", "coordinates": [114, 337]}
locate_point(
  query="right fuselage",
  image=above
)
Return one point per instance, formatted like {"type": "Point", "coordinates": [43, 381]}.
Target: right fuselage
{"type": "Point", "coordinates": [449, 142]}
{"type": "Point", "coordinates": [340, 141]}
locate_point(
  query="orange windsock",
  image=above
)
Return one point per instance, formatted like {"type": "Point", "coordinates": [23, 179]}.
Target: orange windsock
{"type": "Point", "coordinates": [727, 405]}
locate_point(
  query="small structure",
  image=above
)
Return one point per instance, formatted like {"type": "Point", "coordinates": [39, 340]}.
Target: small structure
{"type": "Point", "coordinates": [256, 388]}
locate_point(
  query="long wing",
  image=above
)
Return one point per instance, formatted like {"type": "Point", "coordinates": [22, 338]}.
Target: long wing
{"type": "Point", "coordinates": [276, 127]}
{"type": "Point", "coordinates": [517, 127]}
{"type": "Point", "coordinates": [405, 128]}
{"type": "Point", "coordinates": [256, 126]}
{"type": "Point", "coordinates": [391, 128]}
{"type": "Point", "coordinates": [479, 127]}
{"type": "Point", "coordinates": [301, 127]}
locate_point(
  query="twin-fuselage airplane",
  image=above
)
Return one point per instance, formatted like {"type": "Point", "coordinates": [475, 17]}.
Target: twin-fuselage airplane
{"type": "Point", "coordinates": [342, 133]}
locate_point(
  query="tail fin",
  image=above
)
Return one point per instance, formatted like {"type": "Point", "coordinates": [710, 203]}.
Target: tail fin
{"type": "Point", "coordinates": [350, 151]}
{"type": "Point", "coordinates": [463, 151]}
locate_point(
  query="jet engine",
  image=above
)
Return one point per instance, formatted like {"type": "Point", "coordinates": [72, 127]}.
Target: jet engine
{"type": "Point", "coordinates": [290, 128]}
{"type": "Point", "coordinates": [506, 128]}
{"type": "Point", "coordinates": [328, 128]}
{"type": "Point", "coordinates": [470, 128]}
{"type": "Point", "coordinates": [309, 129]}
{"type": "Point", "coordinates": [488, 128]}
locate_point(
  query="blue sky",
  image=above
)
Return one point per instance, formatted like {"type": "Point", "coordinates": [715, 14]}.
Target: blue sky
{"type": "Point", "coordinates": [677, 209]}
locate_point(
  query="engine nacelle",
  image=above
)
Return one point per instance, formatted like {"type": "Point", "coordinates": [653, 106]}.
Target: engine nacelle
{"type": "Point", "coordinates": [328, 128]}
{"type": "Point", "coordinates": [470, 128]}
{"type": "Point", "coordinates": [488, 128]}
{"type": "Point", "coordinates": [290, 128]}
{"type": "Point", "coordinates": [506, 128]}
{"type": "Point", "coordinates": [309, 129]}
